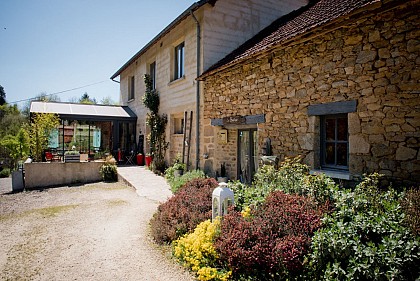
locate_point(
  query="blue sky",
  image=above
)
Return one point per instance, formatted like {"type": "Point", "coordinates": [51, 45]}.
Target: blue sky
{"type": "Point", "coordinates": [56, 45]}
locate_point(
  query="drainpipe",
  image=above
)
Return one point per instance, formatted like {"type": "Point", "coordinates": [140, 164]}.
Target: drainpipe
{"type": "Point", "coordinates": [197, 128]}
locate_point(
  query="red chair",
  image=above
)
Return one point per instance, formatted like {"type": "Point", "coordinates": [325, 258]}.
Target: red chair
{"type": "Point", "coordinates": [48, 156]}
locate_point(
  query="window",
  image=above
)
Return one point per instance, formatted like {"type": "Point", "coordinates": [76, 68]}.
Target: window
{"type": "Point", "coordinates": [178, 125]}
{"type": "Point", "coordinates": [131, 88]}
{"type": "Point", "coordinates": [152, 73]}
{"type": "Point", "coordinates": [179, 61]}
{"type": "Point", "coordinates": [334, 142]}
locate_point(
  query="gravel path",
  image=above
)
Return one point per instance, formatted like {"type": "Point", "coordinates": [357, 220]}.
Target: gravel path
{"type": "Point", "coordinates": [92, 232]}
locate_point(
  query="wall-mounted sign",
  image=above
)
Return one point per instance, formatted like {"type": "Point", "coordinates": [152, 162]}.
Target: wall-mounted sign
{"type": "Point", "coordinates": [222, 136]}
{"type": "Point", "coordinates": [234, 120]}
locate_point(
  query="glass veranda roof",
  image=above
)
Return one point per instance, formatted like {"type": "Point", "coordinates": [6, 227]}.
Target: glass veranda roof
{"type": "Point", "coordinates": [78, 111]}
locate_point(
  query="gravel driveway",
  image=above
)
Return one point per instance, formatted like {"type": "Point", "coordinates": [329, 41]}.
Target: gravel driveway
{"type": "Point", "coordinates": [92, 232]}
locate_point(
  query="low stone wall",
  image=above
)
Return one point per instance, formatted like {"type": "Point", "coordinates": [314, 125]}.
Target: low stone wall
{"type": "Point", "coordinates": [38, 175]}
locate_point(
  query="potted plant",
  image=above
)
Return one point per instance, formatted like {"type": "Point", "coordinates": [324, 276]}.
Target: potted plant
{"type": "Point", "coordinates": [140, 159]}
{"type": "Point", "coordinates": [109, 169]}
{"type": "Point", "coordinates": [149, 159]}
{"type": "Point", "coordinates": [223, 176]}
{"type": "Point", "coordinates": [179, 169]}
{"type": "Point", "coordinates": [71, 156]}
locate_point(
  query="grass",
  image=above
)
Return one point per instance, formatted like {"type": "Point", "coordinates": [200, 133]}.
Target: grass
{"type": "Point", "coordinates": [45, 212]}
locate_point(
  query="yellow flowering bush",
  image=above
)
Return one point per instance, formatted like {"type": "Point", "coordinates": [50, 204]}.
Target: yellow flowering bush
{"type": "Point", "coordinates": [246, 212]}
{"type": "Point", "coordinates": [196, 251]}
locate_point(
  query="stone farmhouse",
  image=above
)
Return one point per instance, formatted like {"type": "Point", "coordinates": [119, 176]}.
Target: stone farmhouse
{"type": "Point", "coordinates": [198, 38]}
{"type": "Point", "coordinates": [335, 82]}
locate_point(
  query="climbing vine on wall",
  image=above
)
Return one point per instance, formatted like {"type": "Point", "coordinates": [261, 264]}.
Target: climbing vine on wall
{"type": "Point", "coordinates": [157, 124]}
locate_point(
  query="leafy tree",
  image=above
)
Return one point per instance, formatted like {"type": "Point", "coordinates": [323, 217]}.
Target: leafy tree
{"type": "Point", "coordinates": [2, 95]}
{"type": "Point", "coordinates": [11, 120]}
{"type": "Point", "coordinates": [87, 100]}
{"type": "Point", "coordinates": [108, 101]}
{"type": "Point", "coordinates": [39, 131]}
{"type": "Point", "coordinates": [44, 96]}
{"type": "Point", "coordinates": [17, 147]}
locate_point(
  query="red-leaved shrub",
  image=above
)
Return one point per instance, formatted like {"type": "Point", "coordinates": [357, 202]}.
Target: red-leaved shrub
{"type": "Point", "coordinates": [190, 206]}
{"type": "Point", "coordinates": [273, 240]}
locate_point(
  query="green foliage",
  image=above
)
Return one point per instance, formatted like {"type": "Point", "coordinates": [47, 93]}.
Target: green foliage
{"type": "Point", "coordinates": [5, 173]}
{"type": "Point", "coordinates": [85, 99]}
{"type": "Point", "coordinates": [109, 170]}
{"type": "Point", "coordinates": [291, 177]}
{"type": "Point", "coordinates": [72, 152]}
{"type": "Point", "coordinates": [177, 182]}
{"type": "Point", "coordinates": [365, 238]}
{"type": "Point", "coordinates": [11, 120]}
{"type": "Point", "coordinates": [157, 124]}
{"type": "Point", "coordinates": [151, 96]}
{"type": "Point", "coordinates": [182, 213]}
{"type": "Point", "coordinates": [17, 146]}
{"type": "Point", "coordinates": [39, 131]}
{"type": "Point", "coordinates": [108, 101]}
{"type": "Point", "coordinates": [2, 95]}
{"type": "Point", "coordinates": [196, 252]}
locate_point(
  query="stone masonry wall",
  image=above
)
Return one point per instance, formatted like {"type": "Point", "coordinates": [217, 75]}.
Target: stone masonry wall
{"type": "Point", "coordinates": [374, 60]}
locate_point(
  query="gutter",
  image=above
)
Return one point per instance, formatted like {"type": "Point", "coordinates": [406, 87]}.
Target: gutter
{"type": "Point", "coordinates": [193, 7]}
{"type": "Point", "coordinates": [197, 125]}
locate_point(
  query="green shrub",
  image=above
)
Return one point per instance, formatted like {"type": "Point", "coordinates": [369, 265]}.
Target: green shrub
{"type": "Point", "coordinates": [108, 170]}
{"type": "Point", "coordinates": [5, 173]}
{"type": "Point", "coordinates": [177, 182]}
{"type": "Point", "coordinates": [182, 213]}
{"type": "Point", "coordinates": [365, 238]}
{"type": "Point", "coordinates": [291, 177]}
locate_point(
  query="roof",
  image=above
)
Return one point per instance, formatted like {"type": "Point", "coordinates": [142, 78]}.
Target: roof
{"type": "Point", "coordinates": [79, 111]}
{"type": "Point", "coordinates": [305, 19]}
{"type": "Point", "coordinates": [172, 25]}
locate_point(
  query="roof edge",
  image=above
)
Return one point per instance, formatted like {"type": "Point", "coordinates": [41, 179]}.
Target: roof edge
{"type": "Point", "coordinates": [373, 6]}
{"type": "Point", "coordinates": [195, 6]}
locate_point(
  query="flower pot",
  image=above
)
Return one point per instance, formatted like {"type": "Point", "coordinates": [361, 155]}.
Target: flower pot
{"type": "Point", "coordinates": [140, 159]}
{"type": "Point", "coordinates": [149, 160]}
{"type": "Point", "coordinates": [178, 173]}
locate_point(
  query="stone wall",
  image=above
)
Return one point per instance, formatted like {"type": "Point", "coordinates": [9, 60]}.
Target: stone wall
{"type": "Point", "coordinates": [373, 60]}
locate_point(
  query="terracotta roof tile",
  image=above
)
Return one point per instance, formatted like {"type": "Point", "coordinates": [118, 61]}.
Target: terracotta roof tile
{"type": "Point", "coordinates": [297, 22]}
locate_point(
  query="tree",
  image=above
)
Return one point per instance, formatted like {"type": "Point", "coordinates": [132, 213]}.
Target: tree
{"type": "Point", "coordinates": [43, 96]}
{"type": "Point", "coordinates": [11, 120]}
{"type": "Point", "coordinates": [87, 100]}
{"type": "Point", "coordinates": [108, 101]}
{"type": "Point", "coordinates": [2, 95]}
{"type": "Point", "coordinates": [17, 147]}
{"type": "Point", "coordinates": [39, 131]}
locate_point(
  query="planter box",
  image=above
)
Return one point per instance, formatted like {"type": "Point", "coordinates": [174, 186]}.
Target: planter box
{"type": "Point", "coordinates": [39, 175]}
{"type": "Point", "coordinates": [71, 158]}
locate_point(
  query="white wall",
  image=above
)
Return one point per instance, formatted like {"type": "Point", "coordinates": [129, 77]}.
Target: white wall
{"type": "Point", "coordinates": [230, 23]}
